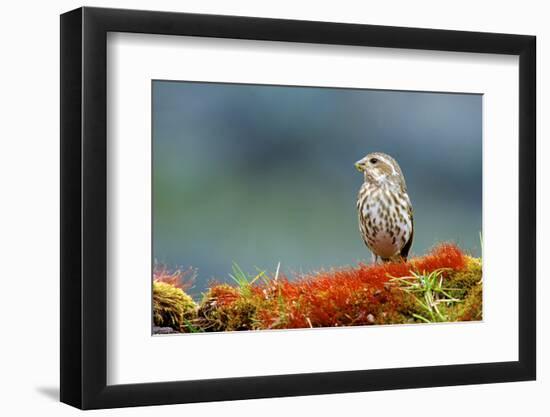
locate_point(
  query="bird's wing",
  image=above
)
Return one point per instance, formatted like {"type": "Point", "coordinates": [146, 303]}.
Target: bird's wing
{"type": "Point", "coordinates": [405, 250]}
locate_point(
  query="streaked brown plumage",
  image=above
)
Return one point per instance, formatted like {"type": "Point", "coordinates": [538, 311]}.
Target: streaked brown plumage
{"type": "Point", "coordinates": [384, 208]}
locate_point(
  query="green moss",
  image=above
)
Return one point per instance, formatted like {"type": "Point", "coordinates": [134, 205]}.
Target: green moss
{"type": "Point", "coordinates": [376, 306]}
{"type": "Point", "coordinates": [406, 310]}
{"type": "Point", "coordinates": [467, 278]}
{"type": "Point", "coordinates": [471, 309]}
{"type": "Point", "coordinates": [469, 284]}
{"type": "Point", "coordinates": [464, 286]}
{"type": "Point", "coordinates": [224, 308]}
{"type": "Point", "coordinates": [171, 306]}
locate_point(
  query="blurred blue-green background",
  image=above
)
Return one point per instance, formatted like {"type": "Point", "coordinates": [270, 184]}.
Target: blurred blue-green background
{"type": "Point", "coordinates": [264, 174]}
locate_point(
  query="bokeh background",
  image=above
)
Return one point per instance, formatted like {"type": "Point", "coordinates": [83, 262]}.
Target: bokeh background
{"type": "Point", "coordinates": [259, 175]}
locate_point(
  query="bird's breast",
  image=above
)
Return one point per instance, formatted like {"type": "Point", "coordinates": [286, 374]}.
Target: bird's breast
{"type": "Point", "coordinates": [384, 220]}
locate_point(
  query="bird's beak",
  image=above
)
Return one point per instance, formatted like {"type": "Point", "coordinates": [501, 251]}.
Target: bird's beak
{"type": "Point", "coordinates": [359, 166]}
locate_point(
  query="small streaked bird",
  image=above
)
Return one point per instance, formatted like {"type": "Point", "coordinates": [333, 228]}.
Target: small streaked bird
{"type": "Point", "coordinates": [384, 208]}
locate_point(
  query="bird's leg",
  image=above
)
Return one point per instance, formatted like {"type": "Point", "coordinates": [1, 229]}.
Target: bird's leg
{"type": "Point", "coordinates": [374, 258]}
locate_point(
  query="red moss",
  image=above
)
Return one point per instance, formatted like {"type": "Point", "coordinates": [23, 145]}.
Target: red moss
{"type": "Point", "coordinates": [340, 297]}
{"type": "Point", "coordinates": [224, 294]}
{"type": "Point", "coordinates": [179, 279]}
{"type": "Point", "coordinates": [443, 256]}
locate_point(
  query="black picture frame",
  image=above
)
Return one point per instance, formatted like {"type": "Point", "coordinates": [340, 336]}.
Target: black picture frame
{"type": "Point", "coordinates": [84, 207]}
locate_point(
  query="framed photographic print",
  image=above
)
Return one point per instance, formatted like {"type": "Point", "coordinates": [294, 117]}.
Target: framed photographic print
{"type": "Point", "coordinates": [258, 207]}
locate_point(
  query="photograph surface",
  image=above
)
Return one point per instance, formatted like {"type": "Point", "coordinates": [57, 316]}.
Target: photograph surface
{"type": "Point", "coordinates": [293, 207]}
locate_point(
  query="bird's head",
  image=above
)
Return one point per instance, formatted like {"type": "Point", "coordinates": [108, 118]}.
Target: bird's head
{"type": "Point", "coordinates": [379, 168]}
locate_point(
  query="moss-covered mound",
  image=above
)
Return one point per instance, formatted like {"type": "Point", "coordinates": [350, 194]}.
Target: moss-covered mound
{"type": "Point", "coordinates": [171, 306]}
{"type": "Point", "coordinates": [444, 285]}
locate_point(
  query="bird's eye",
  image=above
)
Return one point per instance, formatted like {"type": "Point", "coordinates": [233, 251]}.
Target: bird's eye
{"type": "Point", "coordinates": [373, 160]}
